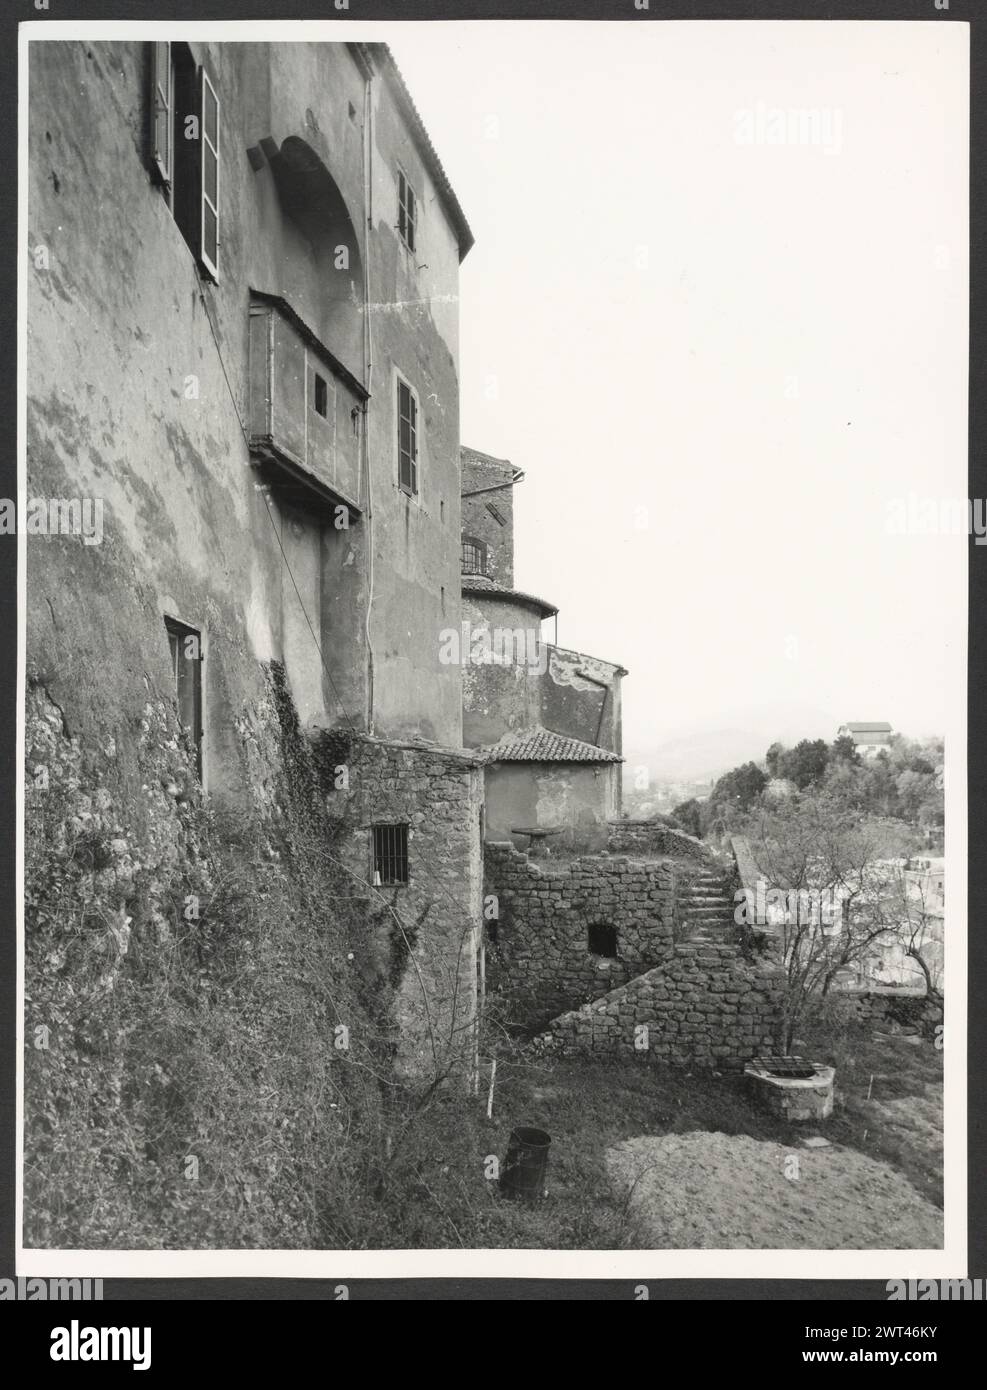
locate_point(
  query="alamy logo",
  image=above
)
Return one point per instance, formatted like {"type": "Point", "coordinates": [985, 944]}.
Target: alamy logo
{"type": "Point", "coordinates": [800, 127]}
{"type": "Point", "coordinates": [934, 1290]}
{"type": "Point", "coordinates": [498, 646]}
{"type": "Point", "coordinates": [54, 516]}
{"type": "Point", "coordinates": [75, 1343]}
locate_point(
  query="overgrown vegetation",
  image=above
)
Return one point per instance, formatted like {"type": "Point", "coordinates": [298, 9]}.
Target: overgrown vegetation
{"type": "Point", "coordinates": [209, 1031]}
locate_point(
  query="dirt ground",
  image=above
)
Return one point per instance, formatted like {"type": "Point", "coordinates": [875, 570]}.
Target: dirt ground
{"type": "Point", "coordinates": [732, 1192]}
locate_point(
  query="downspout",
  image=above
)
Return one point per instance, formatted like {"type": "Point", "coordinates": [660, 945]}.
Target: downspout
{"type": "Point", "coordinates": [494, 487]}
{"type": "Point", "coordinates": [369, 371]}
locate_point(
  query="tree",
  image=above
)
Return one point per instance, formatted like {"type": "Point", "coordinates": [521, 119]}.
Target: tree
{"type": "Point", "coordinates": [806, 763]}
{"type": "Point", "coordinates": [689, 816]}
{"type": "Point", "coordinates": [844, 750]}
{"type": "Point", "coordinates": [835, 870]}
{"type": "Point", "coordinates": [733, 795]}
{"type": "Point", "coordinates": [915, 790]}
{"type": "Point", "coordinates": [742, 786]}
{"type": "Point", "coordinates": [772, 758]}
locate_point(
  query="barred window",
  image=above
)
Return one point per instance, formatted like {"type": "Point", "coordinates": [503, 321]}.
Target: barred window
{"type": "Point", "coordinates": [390, 855]}
{"type": "Point", "coordinates": [474, 556]}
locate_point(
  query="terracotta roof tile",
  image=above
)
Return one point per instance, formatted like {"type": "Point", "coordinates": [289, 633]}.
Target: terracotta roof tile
{"type": "Point", "coordinates": [543, 746]}
{"type": "Point", "coordinates": [480, 584]}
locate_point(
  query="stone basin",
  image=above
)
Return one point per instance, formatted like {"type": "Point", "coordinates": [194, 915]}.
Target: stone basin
{"type": "Point", "coordinates": [791, 1088]}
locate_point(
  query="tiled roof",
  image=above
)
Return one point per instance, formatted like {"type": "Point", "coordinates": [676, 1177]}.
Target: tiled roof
{"type": "Point", "coordinates": [468, 455]}
{"type": "Point", "coordinates": [542, 746]}
{"type": "Point", "coordinates": [480, 584]}
{"type": "Point", "coordinates": [857, 728]}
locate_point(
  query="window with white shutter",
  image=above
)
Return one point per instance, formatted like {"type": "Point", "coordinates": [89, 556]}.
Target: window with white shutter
{"type": "Point", "coordinates": [209, 175]}
{"type": "Point", "coordinates": [162, 111]}
{"type": "Point", "coordinates": [407, 212]}
{"type": "Point", "coordinates": [185, 147]}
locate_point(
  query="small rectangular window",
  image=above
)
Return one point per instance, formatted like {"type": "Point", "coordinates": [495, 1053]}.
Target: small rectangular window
{"type": "Point", "coordinates": [321, 396]}
{"type": "Point", "coordinates": [602, 940]}
{"type": "Point", "coordinates": [407, 212]}
{"type": "Point", "coordinates": [185, 644]}
{"type": "Point", "coordinates": [390, 855]}
{"type": "Point", "coordinates": [407, 439]}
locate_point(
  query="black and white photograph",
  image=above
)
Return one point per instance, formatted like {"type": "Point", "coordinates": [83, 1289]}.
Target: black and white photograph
{"type": "Point", "coordinates": [494, 533]}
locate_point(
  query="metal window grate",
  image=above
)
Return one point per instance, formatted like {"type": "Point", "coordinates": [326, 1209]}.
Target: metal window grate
{"type": "Point", "coordinates": [786, 1068]}
{"type": "Point", "coordinates": [474, 557]}
{"type": "Point", "coordinates": [390, 855]}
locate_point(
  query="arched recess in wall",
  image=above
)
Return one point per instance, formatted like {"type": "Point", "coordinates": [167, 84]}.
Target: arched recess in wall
{"type": "Point", "coordinates": [311, 198]}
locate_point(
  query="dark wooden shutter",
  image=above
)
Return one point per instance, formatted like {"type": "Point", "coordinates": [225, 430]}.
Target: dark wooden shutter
{"type": "Point", "coordinates": [162, 111]}
{"type": "Point", "coordinates": [407, 438]}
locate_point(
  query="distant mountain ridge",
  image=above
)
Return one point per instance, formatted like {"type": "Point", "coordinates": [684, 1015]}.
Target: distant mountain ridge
{"type": "Point", "coordinates": [699, 756]}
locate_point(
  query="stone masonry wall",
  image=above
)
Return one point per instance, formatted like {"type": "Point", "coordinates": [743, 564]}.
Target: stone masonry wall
{"type": "Point", "coordinates": [538, 957]}
{"type": "Point", "coordinates": [428, 942]}
{"type": "Point", "coordinates": [707, 1006]}
{"type": "Point", "coordinates": [649, 837]}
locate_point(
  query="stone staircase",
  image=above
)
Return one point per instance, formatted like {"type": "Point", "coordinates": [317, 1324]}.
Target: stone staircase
{"type": "Point", "coordinates": [706, 908]}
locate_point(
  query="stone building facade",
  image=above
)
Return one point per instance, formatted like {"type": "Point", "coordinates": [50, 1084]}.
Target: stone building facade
{"type": "Point", "coordinates": [545, 719]}
{"type": "Point", "coordinates": [243, 341]}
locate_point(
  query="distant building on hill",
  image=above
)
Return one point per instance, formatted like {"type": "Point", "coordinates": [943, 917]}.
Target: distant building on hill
{"type": "Point", "coordinates": [868, 738]}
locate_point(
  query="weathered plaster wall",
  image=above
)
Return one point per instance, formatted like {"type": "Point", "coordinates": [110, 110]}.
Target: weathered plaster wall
{"type": "Point", "coordinates": [540, 962]}
{"type": "Point", "coordinates": [559, 689]}
{"type": "Point", "coordinates": [138, 395]}
{"type": "Point", "coordinates": [414, 317]}
{"type": "Point", "coordinates": [501, 696]}
{"type": "Point", "coordinates": [580, 696]}
{"type": "Point", "coordinates": [118, 325]}
{"type": "Point", "coordinates": [706, 1006]}
{"type": "Point", "coordinates": [576, 797]}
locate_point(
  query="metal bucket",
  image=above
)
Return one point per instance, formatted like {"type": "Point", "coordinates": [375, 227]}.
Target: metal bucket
{"type": "Point", "coordinates": [526, 1165]}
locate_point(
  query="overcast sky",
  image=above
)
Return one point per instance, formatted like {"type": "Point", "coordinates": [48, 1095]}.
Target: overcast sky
{"type": "Point", "coordinates": [721, 360]}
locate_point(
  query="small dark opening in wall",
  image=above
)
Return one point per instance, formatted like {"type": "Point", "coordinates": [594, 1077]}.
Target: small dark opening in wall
{"type": "Point", "coordinates": [185, 644]}
{"type": "Point", "coordinates": [390, 855]}
{"type": "Point", "coordinates": [602, 940]}
{"type": "Point", "coordinates": [321, 396]}
{"type": "Point", "coordinates": [352, 111]}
